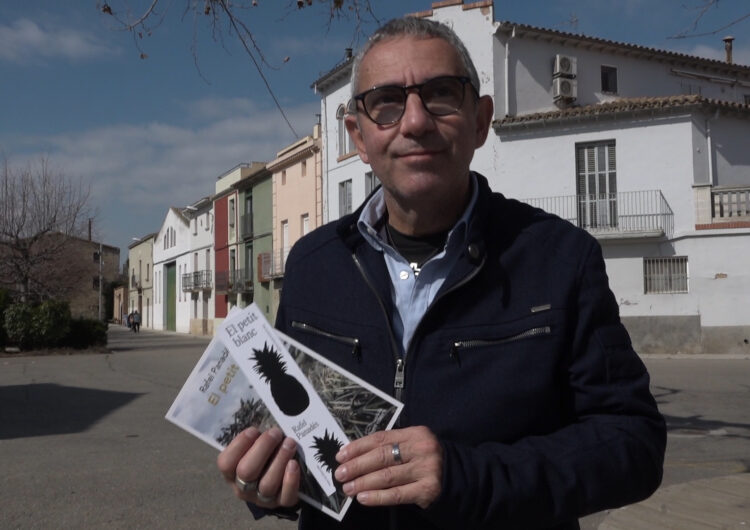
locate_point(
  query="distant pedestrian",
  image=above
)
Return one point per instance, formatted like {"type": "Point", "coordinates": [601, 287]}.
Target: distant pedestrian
{"type": "Point", "coordinates": [136, 321]}
{"type": "Point", "coordinates": [130, 321]}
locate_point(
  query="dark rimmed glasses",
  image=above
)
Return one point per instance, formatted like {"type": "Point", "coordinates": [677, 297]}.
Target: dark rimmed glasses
{"type": "Point", "coordinates": [440, 96]}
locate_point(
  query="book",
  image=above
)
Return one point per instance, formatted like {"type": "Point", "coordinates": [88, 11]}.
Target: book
{"type": "Point", "coordinates": [219, 400]}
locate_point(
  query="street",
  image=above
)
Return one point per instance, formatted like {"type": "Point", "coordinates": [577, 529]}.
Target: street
{"type": "Point", "coordinates": [84, 442]}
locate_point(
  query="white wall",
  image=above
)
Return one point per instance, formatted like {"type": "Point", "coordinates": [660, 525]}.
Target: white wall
{"type": "Point", "coordinates": [530, 73]}
{"type": "Point", "coordinates": [651, 155]}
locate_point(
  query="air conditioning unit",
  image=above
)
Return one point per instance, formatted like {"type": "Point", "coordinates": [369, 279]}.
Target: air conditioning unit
{"type": "Point", "coordinates": [563, 88]}
{"type": "Point", "coordinates": [565, 66]}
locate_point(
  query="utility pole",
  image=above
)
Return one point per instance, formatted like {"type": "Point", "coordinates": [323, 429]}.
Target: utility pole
{"type": "Point", "coordinates": [100, 282]}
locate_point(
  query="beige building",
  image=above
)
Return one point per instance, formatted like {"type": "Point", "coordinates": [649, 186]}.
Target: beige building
{"type": "Point", "coordinates": [297, 195]}
{"type": "Point", "coordinates": [140, 279]}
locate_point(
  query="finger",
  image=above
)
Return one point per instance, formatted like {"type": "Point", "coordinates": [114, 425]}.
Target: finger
{"type": "Point", "coordinates": [381, 479]}
{"type": "Point", "coordinates": [253, 462]}
{"type": "Point", "coordinates": [273, 476]}
{"type": "Point", "coordinates": [368, 443]}
{"type": "Point", "coordinates": [380, 457]}
{"type": "Point", "coordinates": [289, 495]}
{"type": "Point", "coordinates": [229, 458]}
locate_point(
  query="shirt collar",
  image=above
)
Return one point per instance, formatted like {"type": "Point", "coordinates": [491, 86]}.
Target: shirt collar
{"type": "Point", "coordinates": [372, 227]}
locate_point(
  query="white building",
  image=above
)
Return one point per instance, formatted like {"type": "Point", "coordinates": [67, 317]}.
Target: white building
{"type": "Point", "coordinates": [197, 281]}
{"type": "Point", "coordinates": [647, 149]}
{"type": "Point", "coordinates": [171, 260]}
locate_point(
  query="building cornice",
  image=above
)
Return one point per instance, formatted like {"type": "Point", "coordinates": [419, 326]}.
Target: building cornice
{"type": "Point", "coordinates": [577, 40]}
{"type": "Point", "coordinates": [621, 107]}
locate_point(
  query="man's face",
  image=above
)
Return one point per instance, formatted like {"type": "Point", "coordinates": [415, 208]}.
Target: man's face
{"type": "Point", "coordinates": [421, 159]}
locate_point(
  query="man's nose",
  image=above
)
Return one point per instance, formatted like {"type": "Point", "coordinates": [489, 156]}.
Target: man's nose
{"type": "Point", "coordinates": [416, 120]}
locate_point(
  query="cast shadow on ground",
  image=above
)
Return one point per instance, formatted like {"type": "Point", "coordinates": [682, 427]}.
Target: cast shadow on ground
{"type": "Point", "coordinates": [46, 409]}
{"type": "Point", "coordinates": [697, 424]}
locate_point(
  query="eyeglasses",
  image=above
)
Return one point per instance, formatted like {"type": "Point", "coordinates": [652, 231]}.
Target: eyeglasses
{"type": "Point", "coordinates": [440, 96]}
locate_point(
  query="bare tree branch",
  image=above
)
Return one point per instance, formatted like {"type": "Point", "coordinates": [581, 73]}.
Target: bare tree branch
{"type": "Point", "coordinates": [236, 17]}
{"type": "Point", "coordinates": [702, 9]}
{"type": "Point", "coordinates": [41, 212]}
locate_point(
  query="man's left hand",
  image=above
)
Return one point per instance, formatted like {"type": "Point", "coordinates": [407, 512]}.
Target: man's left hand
{"type": "Point", "coordinates": [370, 469]}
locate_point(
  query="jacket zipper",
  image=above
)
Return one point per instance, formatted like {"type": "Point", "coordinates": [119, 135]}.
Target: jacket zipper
{"type": "Point", "coordinates": [349, 341]}
{"type": "Point", "coordinates": [398, 381]}
{"type": "Point", "coordinates": [465, 344]}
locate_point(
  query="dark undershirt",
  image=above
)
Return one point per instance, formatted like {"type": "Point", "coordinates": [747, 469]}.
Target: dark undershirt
{"type": "Point", "coordinates": [416, 249]}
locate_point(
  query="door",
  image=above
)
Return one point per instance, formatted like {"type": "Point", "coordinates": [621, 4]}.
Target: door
{"type": "Point", "coordinates": [170, 298]}
{"type": "Point", "coordinates": [596, 185]}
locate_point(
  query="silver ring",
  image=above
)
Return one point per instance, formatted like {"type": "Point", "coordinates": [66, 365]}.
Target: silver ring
{"type": "Point", "coordinates": [263, 498]}
{"type": "Point", "coordinates": [396, 452]}
{"type": "Point", "coordinates": [246, 487]}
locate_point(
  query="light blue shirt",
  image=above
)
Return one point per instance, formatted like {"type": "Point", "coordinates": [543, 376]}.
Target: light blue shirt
{"type": "Point", "coordinates": [413, 293]}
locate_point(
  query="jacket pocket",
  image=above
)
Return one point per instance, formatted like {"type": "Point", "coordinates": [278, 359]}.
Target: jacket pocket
{"type": "Point", "coordinates": [462, 345]}
{"type": "Point", "coordinates": [352, 342]}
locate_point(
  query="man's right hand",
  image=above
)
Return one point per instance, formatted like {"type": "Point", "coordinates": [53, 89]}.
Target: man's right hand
{"type": "Point", "coordinates": [265, 462]}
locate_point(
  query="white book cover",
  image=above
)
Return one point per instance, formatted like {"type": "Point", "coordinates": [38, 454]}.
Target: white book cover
{"type": "Point", "coordinates": [218, 401]}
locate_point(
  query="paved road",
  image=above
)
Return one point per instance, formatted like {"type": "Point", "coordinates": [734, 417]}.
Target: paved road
{"type": "Point", "coordinates": [84, 443]}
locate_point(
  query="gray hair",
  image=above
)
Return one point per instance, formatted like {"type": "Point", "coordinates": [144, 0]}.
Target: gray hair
{"type": "Point", "coordinates": [420, 28]}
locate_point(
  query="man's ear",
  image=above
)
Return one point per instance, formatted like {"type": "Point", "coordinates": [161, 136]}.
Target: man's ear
{"type": "Point", "coordinates": [352, 125]}
{"type": "Point", "coordinates": [485, 112]}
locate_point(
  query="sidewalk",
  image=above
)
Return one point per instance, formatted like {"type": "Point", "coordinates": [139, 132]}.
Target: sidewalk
{"type": "Point", "coordinates": [721, 502]}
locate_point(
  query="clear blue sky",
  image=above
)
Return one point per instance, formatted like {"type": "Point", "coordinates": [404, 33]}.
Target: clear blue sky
{"type": "Point", "coordinates": [154, 133]}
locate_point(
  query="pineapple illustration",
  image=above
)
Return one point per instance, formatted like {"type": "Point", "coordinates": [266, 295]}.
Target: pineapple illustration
{"type": "Point", "coordinates": [325, 453]}
{"type": "Point", "coordinates": [288, 393]}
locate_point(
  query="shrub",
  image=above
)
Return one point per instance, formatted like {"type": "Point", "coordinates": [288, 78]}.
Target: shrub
{"type": "Point", "coordinates": [4, 303]}
{"type": "Point", "coordinates": [18, 319]}
{"type": "Point", "coordinates": [50, 323]}
{"type": "Point", "coordinates": [85, 333]}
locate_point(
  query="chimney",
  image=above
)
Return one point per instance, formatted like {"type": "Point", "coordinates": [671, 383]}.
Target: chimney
{"type": "Point", "coordinates": [728, 47]}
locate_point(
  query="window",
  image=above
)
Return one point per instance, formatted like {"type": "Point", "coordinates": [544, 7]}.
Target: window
{"type": "Point", "coordinates": [345, 197]}
{"type": "Point", "coordinates": [194, 222]}
{"type": "Point", "coordinates": [665, 275]}
{"type": "Point", "coordinates": [609, 79]}
{"type": "Point", "coordinates": [96, 257]}
{"type": "Point", "coordinates": [283, 177]}
{"type": "Point", "coordinates": [303, 168]}
{"type": "Point", "coordinates": [304, 224]}
{"type": "Point", "coordinates": [147, 269]}
{"type": "Point", "coordinates": [249, 262]}
{"type": "Point", "coordinates": [95, 283]}
{"type": "Point", "coordinates": [343, 135]}
{"type": "Point", "coordinates": [285, 243]}
{"type": "Point", "coordinates": [596, 184]}
{"type": "Point", "coordinates": [232, 214]}
{"type": "Point", "coordinates": [371, 182]}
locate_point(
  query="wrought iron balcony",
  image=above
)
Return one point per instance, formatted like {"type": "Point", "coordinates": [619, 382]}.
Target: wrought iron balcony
{"type": "Point", "coordinates": [241, 281]}
{"type": "Point", "coordinates": [196, 281]}
{"type": "Point", "coordinates": [234, 281]}
{"type": "Point", "coordinates": [613, 215]}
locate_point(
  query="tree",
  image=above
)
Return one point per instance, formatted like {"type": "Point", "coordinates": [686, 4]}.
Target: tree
{"type": "Point", "coordinates": [702, 8]}
{"type": "Point", "coordinates": [230, 18]}
{"type": "Point", "coordinates": [43, 214]}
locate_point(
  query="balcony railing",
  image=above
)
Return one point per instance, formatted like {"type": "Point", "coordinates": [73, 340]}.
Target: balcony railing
{"type": "Point", "coordinates": [135, 281]}
{"type": "Point", "coordinates": [234, 281]}
{"type": "Point", "coordinates": [625, 214]}
{"type": "Point", "coordinates": [246, 225]}
{"type": "Point", "coordinates": [196, 281]}
{"type": "Point", "coordinates": [730, 204]}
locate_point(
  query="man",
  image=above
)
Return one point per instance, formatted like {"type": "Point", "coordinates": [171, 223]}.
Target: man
{"type": "Point", "coordinates": [524, 403]}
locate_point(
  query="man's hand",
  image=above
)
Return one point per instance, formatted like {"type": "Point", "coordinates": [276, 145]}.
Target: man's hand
{"type": "Point", "coordinates": [369, 470]}
{"type": "Point", "coordinates": [265, 463]}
